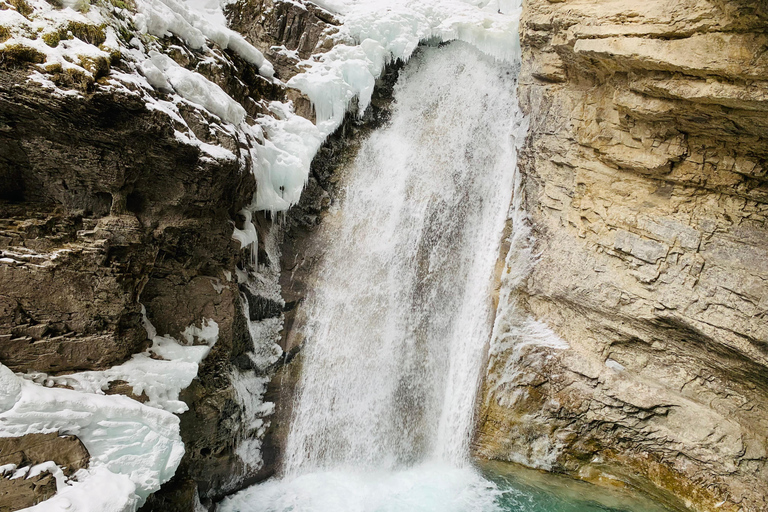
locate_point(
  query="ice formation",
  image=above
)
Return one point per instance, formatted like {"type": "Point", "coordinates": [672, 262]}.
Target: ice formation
{"type": "Point", "coordinates": [373, 34]}
{"type": "Point", "coordinates": [281, 146]}
{"type": "Point", "coordinates": [161, 380]}
{"type": "Point", "coordinates": [134, 447]}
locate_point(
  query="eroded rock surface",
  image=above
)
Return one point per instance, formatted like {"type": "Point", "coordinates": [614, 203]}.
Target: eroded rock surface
{"type": "Point", "coordinates": [105, 208]}
{"type": "Point", "coordinates": [25, 452]}
{"type": "Point", "coordinates": [645, 181]}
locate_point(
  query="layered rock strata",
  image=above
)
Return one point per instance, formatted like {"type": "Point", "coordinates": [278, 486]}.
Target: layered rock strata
{"type": "Point", "coordinates": [105, 209]}
{"type": "Point", "coordinates": [645, 184]}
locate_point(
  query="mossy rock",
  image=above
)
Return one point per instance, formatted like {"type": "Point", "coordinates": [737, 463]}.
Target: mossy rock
{"type": "Point", "coordinates": [73, 79]}
{"type": "Point", "coordinates": [16, 55]}
{"type": "Point", "coordinates": [92, 34]}
{"type": "Point", "coordinates": [115, 56]}
{"type": "Point", "coordinates": [99, 66]}
{"type": "Point", "coordinates": [129, 5]}
{"type": "Point", "coordinates": [52, 39]}
{"type": "Point", "coordinates": [22, 7]}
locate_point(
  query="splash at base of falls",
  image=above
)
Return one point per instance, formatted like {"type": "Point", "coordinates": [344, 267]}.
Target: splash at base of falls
{"type": "Point", "coordinates": [422, 488]}
{"type": "Point", "coordinates": [436, 488]}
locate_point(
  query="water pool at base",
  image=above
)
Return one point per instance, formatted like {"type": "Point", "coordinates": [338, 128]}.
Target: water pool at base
{"type": "Point", "coordinates": [436, 488]}
{"type": "Point", "coordinates": [526, 490]}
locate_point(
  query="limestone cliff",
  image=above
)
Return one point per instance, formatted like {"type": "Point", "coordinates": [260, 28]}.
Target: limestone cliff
{"type": "Point", "coordinates": [645, 183]}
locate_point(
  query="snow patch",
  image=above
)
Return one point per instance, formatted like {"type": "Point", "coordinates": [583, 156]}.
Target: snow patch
{"type": "Point", "coordinates": [160, 373]}
{"type": "Point", "coordinates": [134, 448]}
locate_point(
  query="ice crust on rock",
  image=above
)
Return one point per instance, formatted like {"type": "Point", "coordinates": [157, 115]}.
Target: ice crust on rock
{"type": "Point", "coordinates": [373, 34]}
{"type": "Point", "coordinates": [280, 147]}
{"type": "Point", "coordinates": [134, 447]}
{"type": "Point", "coordinates": [10, 389]}
{"type": "Point", "coordinates": [378, 32]}
{"type": "Point", "coordinates": [160, 373]}
{"type": "Point", "coordinates": [282, 160]}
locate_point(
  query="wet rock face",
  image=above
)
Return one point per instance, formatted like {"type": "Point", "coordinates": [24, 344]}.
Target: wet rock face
{"type": "Point", "coordinates": [23, 453]}
{"type": "Point", "coordinates": [645, 179]}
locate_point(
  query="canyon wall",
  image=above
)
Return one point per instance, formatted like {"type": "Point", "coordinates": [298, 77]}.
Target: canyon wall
{"type": "Point", "coordinates": [111, 205]}
{"type": "Point", "coordinates": [104, 210]}
{"type": "Point", "coordinates": [644, 181]}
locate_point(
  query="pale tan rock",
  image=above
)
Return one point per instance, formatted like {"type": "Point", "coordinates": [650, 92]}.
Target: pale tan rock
{"type": "Point", "coordinates": [646, 186]}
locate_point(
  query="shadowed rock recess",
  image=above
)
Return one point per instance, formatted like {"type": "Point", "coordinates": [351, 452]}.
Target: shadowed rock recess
{"type": "Point", "coordinates": [645, 183]}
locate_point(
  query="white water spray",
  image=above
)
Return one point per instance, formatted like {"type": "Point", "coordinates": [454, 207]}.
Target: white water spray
{"type": "Point", "coordinates": [401, 313]}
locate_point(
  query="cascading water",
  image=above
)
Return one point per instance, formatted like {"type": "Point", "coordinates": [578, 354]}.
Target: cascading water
{"type": "Point", "coordinates": [401, 313]}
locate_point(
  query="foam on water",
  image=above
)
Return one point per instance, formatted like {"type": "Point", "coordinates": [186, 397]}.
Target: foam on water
{"type": "Point", "coordinates": [424, 488]}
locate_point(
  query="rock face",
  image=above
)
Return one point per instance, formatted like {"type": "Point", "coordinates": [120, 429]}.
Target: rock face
{"type": "Point", "coordinates": [104, 210]}
{"type": "Point", "coordinates": [25, 452]}
{"type": "Point", "coordinates": [645, 182]}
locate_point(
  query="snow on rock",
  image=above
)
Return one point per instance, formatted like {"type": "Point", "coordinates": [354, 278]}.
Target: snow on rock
{"type": "Point", "coordinates": [374, 33]}
{"type": "Point", "coordinates": [160, 373]}
{"type": "Point", "coordinates": [164, 73]}
{"type": "Point", "coordinates": [134, 447]}
{"type": "Point", "coordinates": [97, 490]}
{"type": "Point", "coordinates": [163, 17]}
{"type": "Point", "coordinates": [10, 389]}
{"type": "Point", "coordinates": [280, 146]}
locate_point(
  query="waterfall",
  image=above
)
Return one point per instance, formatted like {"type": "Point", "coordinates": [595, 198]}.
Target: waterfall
{"type": "Point", "coordinates": [401, 312]}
